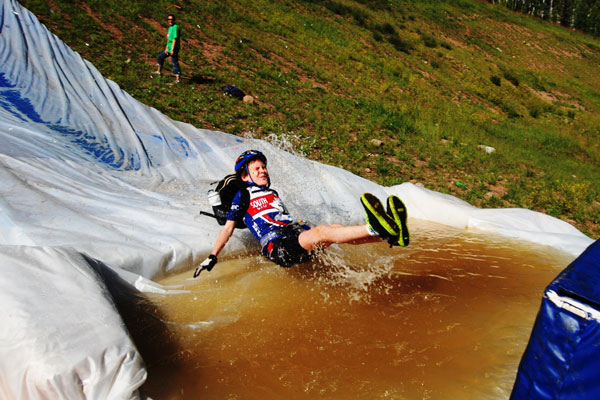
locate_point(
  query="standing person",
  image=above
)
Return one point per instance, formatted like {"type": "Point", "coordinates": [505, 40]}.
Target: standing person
{"type": "Point", "coordinates": [286, 242]}
{"type": "Point", "coordinates": [172, 48]}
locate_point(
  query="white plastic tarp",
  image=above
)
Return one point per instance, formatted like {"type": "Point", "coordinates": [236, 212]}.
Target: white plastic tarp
{"type": "Point", "coordinates": [85, 169]}
{"type": "Point", "coordinates": [61, 335]}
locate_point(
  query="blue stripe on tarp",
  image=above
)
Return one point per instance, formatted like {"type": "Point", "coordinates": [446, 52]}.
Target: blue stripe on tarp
{"type": "Point", "coordinates": [22, 108]}
{"type": "Point", "coordinates": [12, 101]}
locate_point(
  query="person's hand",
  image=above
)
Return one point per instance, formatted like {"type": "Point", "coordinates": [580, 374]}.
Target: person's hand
{"type": "Point", "coordinates": [207, 264]}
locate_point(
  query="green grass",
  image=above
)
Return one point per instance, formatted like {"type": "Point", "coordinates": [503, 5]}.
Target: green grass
{"type": "Point", "coordinates": [432, 80]}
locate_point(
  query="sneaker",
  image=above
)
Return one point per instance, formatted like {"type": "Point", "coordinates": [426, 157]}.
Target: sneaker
{"type": "Point", "coordinates": [378, 220]}
{"type": "Point", "coordinates": [397, 210]}
{"type": "Point", "coordinates": [156, 72]}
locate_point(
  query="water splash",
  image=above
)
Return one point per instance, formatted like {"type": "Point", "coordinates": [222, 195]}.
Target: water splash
{"type": "Point", "coordinates": [289, 142]}
{"type": "Point", "coordinates": [359, 277]}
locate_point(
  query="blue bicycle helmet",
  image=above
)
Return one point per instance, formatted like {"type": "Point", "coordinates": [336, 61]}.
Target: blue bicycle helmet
{"type": "Point", "coordinates": [241, 164]}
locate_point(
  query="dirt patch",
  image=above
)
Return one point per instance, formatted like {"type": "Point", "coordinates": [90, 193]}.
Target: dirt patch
{"type": "Point", "coordinates": [462, 97]}
{"type": "Point", "coordinates": [53, 6]}
{"type": "Point", "coordinates": [117, 34]}
{"type": "Point", "coordinates": [557, 96]}
{"type": "Point", "coordinates": [564, 53]}
{"type": "Point", "coordinates": [427, 75]}
{"type": "Point", "coordinates": [498, 190]}
{"type": "Point", "coordinates": [455, 42]}
{"type": "Point", "coordinates": [548, 97]}
{"type": "Point", "coordinates": [211, 52]}
{"type": "Point", "coordinates": [156, 25]}
{"type": "Point", "coordinates": [288, 65]}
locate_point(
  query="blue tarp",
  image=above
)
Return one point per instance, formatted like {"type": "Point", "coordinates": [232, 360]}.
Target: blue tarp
{"type": "Point", "coordinates": [562, 359]}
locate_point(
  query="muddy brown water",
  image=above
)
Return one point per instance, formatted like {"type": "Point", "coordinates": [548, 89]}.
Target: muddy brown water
{"type": "Point", "coordinates": [447, 317]}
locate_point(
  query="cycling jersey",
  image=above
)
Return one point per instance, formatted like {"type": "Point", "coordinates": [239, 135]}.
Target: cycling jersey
{"type": "Point", "coordinates": [266, 217]}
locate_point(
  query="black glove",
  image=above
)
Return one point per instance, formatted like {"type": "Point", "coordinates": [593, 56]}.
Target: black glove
{"type": "Point", "coordinates": [207, 264]}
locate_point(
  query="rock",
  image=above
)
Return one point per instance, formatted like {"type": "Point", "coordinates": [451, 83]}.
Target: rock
{"type": "Point", "coordinates": [487, 149]}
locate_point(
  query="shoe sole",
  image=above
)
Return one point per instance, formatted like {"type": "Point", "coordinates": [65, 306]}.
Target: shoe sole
{"type": "Point", "coordinates": [379, 220]}
{"type": "Point", "coordinates": [397, 209]}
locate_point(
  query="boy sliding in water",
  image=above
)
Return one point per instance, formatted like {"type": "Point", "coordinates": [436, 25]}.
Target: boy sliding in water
{"type": "Point", "coordinates": [286, 242]}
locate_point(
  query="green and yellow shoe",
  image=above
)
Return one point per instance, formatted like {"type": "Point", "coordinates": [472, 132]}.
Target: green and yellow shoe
{"type": "Point", "coordinates": [397, 210]}
{"type": "Point", "coordinates": [378, 220]}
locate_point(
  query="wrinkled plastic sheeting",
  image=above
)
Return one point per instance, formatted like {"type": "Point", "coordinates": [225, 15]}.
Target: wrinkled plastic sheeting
{"type": "Point", "coordinates": [61, 337]}
{"type": "Point", "coordinates": [517, 223]}
{"type": "Point", "coordinates": [83, 165]}
{"type": "Point", "coordinates": [562, 359]}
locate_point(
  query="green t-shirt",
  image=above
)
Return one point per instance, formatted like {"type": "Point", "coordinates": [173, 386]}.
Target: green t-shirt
{"type": "Point", "coordinates": [173, 34]}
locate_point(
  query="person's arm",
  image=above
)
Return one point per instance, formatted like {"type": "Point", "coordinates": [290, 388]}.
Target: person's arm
{"type": "Point", "coordinates": [167, 45]}
{"type": "Point", "coordinates": [223, 237]}
{"type": "Point", "coordinates": [221, 241]}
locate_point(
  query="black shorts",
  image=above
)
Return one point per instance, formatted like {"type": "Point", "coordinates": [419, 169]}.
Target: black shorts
{"type": "Point", "coordinates": [285, 250]}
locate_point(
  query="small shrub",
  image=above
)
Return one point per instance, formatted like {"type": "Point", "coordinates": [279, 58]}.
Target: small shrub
{"type": "Point", "coordinates": [386, 29]}
{"type": "Point", "coordinates": [535, 112]}
{"type": "Point", "coordinates": [343, 10]}
{"type": "Point", "coordinates": [511, 112]}
{"type": "Point", "coordinates": [429, 41]}
{"type": "Point", "coordinates": [376, 4]}
{"type": "Point", "coordinates": [400, 44]}
{"type": "Point", "coordinates": [511, 77]}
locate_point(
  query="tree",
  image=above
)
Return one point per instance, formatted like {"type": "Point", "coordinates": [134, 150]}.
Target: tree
{"type": "Point", "coordinates": [566, 13]}
{"type": "Point", "coordinates": [583, 15]}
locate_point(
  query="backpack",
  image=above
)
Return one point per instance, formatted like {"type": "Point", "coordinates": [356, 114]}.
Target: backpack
{"type": "Point", "coordinates": [226, 189]}
{"type": "Point", "coordinates": [233, 91]}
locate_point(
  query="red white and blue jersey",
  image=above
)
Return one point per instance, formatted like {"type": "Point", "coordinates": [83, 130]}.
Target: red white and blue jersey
{"type": "Point", "coordinates": [266, 213]}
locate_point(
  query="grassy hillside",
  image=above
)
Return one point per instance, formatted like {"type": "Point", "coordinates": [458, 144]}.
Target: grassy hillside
{"type": "Point", "coordinates": [391, 90]}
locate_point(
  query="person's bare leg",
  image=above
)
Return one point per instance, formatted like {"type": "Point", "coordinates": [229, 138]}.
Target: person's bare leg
{"type": "Point", "coordinates": [323, 236]}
